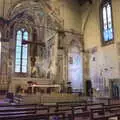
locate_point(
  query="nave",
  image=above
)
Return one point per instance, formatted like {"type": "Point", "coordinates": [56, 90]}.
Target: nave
{"type": "Point", "coordinates": [59, 59]}
{"type": "Point", "coordinates": [93, 109]}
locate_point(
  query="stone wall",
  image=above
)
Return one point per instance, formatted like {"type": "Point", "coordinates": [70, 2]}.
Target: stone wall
{"type": "Point", "coordinates": [104, 60]}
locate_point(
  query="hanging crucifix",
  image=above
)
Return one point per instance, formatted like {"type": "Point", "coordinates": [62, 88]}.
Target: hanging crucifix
{"type": "Point", "coordinates": [33, 52]}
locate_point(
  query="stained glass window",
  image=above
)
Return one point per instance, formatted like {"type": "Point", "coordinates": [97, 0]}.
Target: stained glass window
{"type": "Point", "coordinates": [107, 27]}
{"type": "Point", "coordinates": [21, 55]}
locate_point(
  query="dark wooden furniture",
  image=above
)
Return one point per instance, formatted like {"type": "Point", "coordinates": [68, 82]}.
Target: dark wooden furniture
{"type": "Point", "coordinates": [105, 113]}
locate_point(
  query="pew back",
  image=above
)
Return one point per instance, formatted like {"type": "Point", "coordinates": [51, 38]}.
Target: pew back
{"type": "Point", "coordinates": [105, 113]}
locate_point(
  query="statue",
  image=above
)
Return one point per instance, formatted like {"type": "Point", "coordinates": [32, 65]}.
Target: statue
{"type": "Point", "coordinates": [33, 68]}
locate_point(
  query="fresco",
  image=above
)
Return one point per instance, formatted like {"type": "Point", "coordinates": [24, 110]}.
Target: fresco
{"type": "Point", "coordinates": [75, 72]}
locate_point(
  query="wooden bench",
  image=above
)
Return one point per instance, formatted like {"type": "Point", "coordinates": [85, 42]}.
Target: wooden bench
{"type": "Point", "coordinates": [40, 112]}
{"type": "Point", "coordinates": [105, 113]}
{"type": "Point", "coordinates": [108, 101]}
{"type": "Point", "coordinates": [23, 109]}
{"type": "Point", "coordinates": [85, 114]}
{"type": "Point", "coordinates": [48, 116]}
{"type": "Point", "coordinates": [18, 105]}
{"type": "Point", "coordinates": [75, 111]}
{"type": "Point", "coordinates": [83, 102]}
{"type": "Point", "coordinates": [70, 104]}
{"type": "Point", "coordinates": [100, 113]}
{"type": "Point", "coordinates": [114, 101]}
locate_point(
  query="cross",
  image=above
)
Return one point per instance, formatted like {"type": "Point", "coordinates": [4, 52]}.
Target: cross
{"type": "Point", "coordinates": [34, 43]}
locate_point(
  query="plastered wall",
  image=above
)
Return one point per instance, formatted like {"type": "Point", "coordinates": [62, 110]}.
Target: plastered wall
{"type": "Point", "coordinates": [104, 60]}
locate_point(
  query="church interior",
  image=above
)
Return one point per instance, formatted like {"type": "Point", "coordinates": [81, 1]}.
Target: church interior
{"type": "Point", "coordinates": [59, 60]}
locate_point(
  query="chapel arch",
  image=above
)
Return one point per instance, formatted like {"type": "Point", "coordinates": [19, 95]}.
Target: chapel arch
{"type": "Point", "coordinates": [42, 27]}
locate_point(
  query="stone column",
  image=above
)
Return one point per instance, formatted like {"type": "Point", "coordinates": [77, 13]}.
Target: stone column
{"type": "Point", "coordinates": [86, 57]}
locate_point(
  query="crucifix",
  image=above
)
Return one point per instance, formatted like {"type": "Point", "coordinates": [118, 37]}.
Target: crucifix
{"type": "Point", "coordinates": [42, 44]}
{"type": "Point", "coordinates": [34, 44]}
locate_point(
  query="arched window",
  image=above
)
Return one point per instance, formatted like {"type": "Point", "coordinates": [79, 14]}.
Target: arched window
{"type": "Point", "coordinates": [21, 55]}
{"type": "Point", "coordinates": [106, 20]}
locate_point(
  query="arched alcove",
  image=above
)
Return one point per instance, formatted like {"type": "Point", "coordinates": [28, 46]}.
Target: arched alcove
{"type": "Point", "coordinates": [75, 67]}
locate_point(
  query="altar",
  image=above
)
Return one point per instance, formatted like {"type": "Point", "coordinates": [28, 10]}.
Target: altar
{"type": "Point", "coordinates": [44, 88]}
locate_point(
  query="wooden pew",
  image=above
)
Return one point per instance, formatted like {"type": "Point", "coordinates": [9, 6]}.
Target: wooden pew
{"type": "Point", "coordinates": [51, 108]}
{"type": "Point", "coordinates": [86, 113]}
{"type": "Point", "coordinates": [66, 107]}
{"type": "Point", "coordinates": [26, 110]}
{"type": "Point", "coordinates": [23, 111]}
{"type": "Point", "coordinates": [69, 104]}
{"type": "Point", "coordinates": [84, 107]}
{"type": "Point", "coordinates": [48, 116]}
{"type": "Point", "coordinates": [69, 110]}
{"type": "Point", "coordinates": [114, 101]}
{"type": "Point", "coordinates": [18, 105]}
{"type": "Point", "coordinates": [83, 102]}
{"type": "Point", "coordinates": [75, 111]}
{"type": "Point", "coordinates": [105, 113]}
{"type": "Point", "coordinates": [108, 101]}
